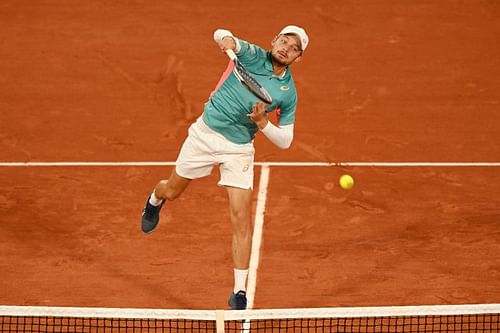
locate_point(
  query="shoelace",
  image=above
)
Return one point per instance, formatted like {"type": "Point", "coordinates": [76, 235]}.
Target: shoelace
{"type": "Point", "coordinates": [150, 210]}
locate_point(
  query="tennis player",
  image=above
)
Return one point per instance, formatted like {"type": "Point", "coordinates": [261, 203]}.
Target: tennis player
{"type": "Point", "coordinates": [223, 135]}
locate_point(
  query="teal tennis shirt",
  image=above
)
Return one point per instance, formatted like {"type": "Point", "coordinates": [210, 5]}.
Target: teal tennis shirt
{"type": "Point", "coordinates": [226, 110]}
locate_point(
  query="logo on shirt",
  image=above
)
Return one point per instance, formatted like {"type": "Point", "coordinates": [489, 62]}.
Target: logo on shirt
{"type": "Point", "coordinates": [284, 88]}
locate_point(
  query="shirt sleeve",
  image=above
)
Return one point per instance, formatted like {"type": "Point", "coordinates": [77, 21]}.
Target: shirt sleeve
{"type": "Point", "coordinates": [281, 136]}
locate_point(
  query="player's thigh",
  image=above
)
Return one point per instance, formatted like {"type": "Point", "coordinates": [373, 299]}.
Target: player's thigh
{"type": "Point", "coordinates": [236, 168]}
{"type": "Point", "coordinates": [195, 160]}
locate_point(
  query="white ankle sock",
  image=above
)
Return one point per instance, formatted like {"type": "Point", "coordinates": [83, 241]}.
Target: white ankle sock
{"type": "Point", "coordinates": [240, 280]}
{"type": "Point", "coordinates": [154, 200]}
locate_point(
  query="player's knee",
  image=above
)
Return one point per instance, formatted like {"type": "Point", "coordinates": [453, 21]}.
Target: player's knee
{"type": "Point", "coordinates": [240, 215]}
{"type": "Point", "coordinates": [241, 222]}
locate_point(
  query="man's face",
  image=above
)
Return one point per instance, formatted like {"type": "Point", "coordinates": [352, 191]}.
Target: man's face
{"type": "Point", "coordinates": [286, 49]}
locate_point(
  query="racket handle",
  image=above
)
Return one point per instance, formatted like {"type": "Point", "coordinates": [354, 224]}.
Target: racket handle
{"type": "Point", "coordinates": [230, 53]}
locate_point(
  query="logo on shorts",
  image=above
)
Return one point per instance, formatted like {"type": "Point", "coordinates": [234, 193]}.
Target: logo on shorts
{"type": "Point", "coordinates": [245, 168]}
{"type": "Point", "coordinates": [284, 88]}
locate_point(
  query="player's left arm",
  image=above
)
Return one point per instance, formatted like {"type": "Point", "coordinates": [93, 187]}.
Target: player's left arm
{"type": "Point", "coordinates": [281, 136]}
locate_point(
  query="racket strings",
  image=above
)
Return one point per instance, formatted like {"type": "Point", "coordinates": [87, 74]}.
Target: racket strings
{"type": "Point", "coordinates": [251, 83]}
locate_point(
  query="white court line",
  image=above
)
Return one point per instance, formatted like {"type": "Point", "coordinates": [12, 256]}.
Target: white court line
{"type": "Point", "coordinates": [82, 164]}
{"type": "Point", "coordinates": [269, 164]}
{"type": "Point", "coordinates": [256, 241]}
{"type": "Point", "coordinates": [257, 236]}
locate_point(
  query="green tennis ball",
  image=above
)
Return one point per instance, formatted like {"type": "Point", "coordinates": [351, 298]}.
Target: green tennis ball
{"type": "Point", "coordinates": [346, 182]}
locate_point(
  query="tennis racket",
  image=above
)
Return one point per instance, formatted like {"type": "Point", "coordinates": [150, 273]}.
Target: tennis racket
{"type": "Point", "coordinates": [247, 79]}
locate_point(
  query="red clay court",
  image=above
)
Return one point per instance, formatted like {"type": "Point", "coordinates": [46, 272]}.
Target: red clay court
{"type": "Point", "coordinates": [382, 81]}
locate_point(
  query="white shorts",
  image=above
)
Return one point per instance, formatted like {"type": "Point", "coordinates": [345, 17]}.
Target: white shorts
{"type": "Point", "coordinates": [205, 148]}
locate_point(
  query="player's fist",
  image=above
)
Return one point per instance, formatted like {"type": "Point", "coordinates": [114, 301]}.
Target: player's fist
{"type": "Point", "coordinates": [258, 114]}
{"type": "Point", "coordinates": [227, 43]}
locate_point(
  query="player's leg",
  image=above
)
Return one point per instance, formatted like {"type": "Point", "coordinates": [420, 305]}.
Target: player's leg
{"type": "Point", "coordinates": [236, 169]}
{"type": "Point", "coordinates": [172, 188]}
{"type": "Point", "coordinates": [195, 160]}
{"type": "Point", "coordinates": [240, 202]}
{"type": "Point", "coordinates": [165, 190]}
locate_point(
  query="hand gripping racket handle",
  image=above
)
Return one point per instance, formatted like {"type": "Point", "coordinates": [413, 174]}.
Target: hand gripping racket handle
{"type": "Point", "coordinates": [230, 53]}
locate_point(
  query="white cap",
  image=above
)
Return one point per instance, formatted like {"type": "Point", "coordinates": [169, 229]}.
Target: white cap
{"type": "Point", "coordinates": [301, 33]}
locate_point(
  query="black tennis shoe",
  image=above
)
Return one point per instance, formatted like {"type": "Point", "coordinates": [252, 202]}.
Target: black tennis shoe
{"type": "Point", "coordinates": [238, 301]}
{"type": "Point", "coordinates": [150, 217]}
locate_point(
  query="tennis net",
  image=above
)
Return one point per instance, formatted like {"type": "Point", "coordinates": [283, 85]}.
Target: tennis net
{"type": "Point", "coordinates": [437, 318]}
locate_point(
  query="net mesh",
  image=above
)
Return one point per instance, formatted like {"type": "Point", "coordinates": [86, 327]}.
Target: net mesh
{"type": "Point", "coordinates": [464, 323]}
{"type": "Point", "coordinates": [401, 319]}
{"type": "Point", "coordinates": [71, 324]}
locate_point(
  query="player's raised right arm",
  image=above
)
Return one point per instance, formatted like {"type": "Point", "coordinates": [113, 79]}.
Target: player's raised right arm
{"type": "Point", "coordinates": [226, 40]}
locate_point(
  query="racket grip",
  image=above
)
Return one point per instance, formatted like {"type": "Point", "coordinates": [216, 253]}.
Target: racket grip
{"type": "Point", "coordinates": [230, 53]}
